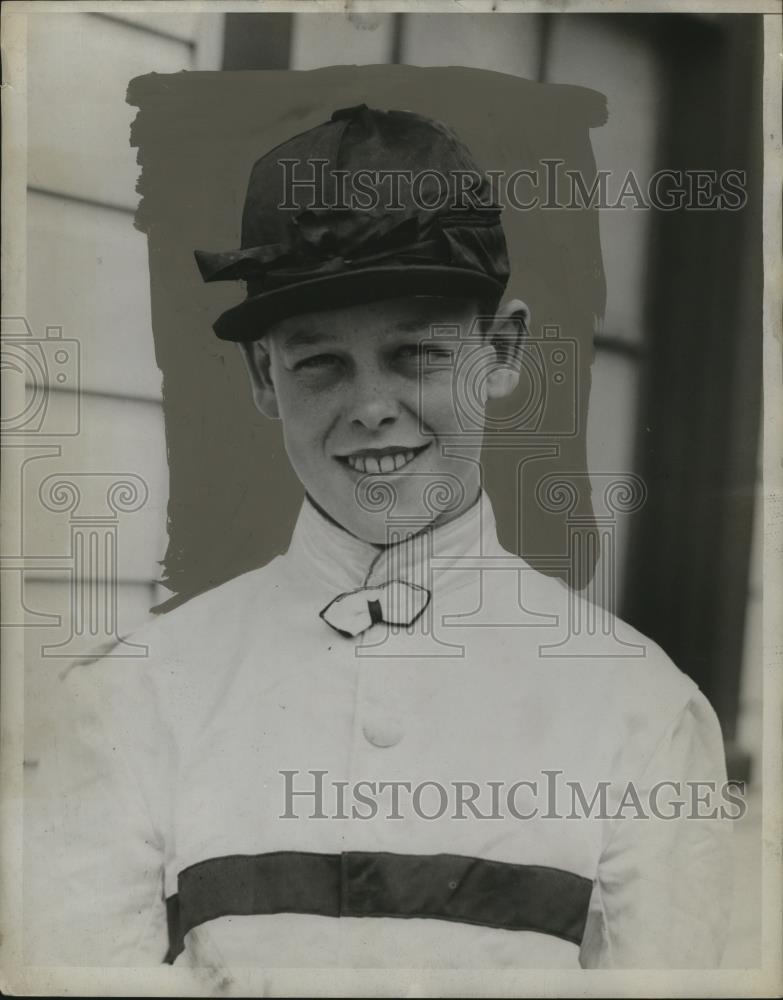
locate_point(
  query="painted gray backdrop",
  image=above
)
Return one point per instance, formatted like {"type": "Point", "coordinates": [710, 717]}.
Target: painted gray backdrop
{"type": "Point", "coordinates": [233, 498]}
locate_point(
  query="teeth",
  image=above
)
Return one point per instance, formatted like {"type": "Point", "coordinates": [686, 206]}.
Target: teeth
{"type": "Point", "coordinates": [389, 463]}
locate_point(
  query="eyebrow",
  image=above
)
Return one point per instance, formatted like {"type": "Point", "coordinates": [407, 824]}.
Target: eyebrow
{"type": "Point", "coordinates": [305, 338]}
{"type": "Point", "coordinates": [312, 338]}
{"type": "Point", "coordinates": [411, 325]}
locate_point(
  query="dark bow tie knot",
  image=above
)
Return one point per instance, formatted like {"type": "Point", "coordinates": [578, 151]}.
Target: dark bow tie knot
{"type": "Point", "coordinates": [395, 603]}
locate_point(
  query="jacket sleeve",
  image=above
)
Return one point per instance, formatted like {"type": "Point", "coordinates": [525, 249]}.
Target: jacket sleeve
{"type": "Point", "coordinates": [95, 893]}
{"type": "Point", "coordinates": [662, 895]}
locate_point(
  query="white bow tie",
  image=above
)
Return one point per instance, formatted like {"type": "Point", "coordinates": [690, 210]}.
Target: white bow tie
{"type": "Point", "coordinates": [396, 603]}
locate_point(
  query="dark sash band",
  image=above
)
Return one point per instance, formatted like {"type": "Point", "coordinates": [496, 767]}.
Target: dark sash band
{"type": "Point", "coordinates": [369, 884]}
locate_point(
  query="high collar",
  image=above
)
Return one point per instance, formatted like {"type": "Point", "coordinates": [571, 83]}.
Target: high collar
{"type": "Point", "coordinates": [340, 561]}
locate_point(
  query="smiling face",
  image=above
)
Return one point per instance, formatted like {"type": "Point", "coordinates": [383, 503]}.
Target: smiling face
{"type": "Point", "coordinates": [382, 417]}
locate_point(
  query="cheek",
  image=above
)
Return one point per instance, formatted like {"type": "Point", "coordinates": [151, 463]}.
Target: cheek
{"type": "Point", "coordinates": [302, 411]}
{"type": "Point", "coordinates": [455, 405]}
{"type": "Point", "coordinates": [306, 419]}
{"type": "Point", "coordinates": [435, 402]}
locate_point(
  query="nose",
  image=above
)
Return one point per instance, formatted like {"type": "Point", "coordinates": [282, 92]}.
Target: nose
{"type": "Point", "coordinates": [373, 404]}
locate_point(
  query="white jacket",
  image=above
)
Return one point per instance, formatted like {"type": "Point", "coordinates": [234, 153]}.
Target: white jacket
{"type": "Point", "coordinates": [173, 773]}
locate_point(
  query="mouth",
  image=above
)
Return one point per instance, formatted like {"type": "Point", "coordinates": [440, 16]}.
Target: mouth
{"type": "Point", "coordinates": [375, 461]}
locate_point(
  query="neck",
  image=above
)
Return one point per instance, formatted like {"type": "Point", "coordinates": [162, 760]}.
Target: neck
{"type": "Point", "coordinates": [329, 556]}
{"type": "Point", "coordinates": [442, 518]}
{"type": "Point", "coordinates": [336, 523]}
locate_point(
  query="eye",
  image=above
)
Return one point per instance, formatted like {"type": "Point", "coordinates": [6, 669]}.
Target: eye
{"type": "Point", "coordinates": [427, 352]}
{"type": "Point", "coordinates": [424, 359]}
{"type": "Point", "coordinates": [316, 362]}
{"type": "Point", "coordinates": [409, 350]}
{"type": "Point", "coordinates": [438, 355]}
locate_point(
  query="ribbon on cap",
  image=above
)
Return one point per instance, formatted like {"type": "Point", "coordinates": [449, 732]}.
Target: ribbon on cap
{"type": "Point", "coordinates": [332, 241]}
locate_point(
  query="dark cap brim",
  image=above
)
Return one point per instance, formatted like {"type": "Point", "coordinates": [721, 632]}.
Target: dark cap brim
{"type": "Point", "coordinates": [250, 319]}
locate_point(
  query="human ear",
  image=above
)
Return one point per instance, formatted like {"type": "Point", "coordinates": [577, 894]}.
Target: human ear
{"type": "Point", "coordinates": [506, 334]}
{"type": "Point", "coordinates": [258, 362]}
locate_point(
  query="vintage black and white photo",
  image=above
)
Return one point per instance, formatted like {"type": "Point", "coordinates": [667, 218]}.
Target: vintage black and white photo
{"type": "Point", "coordinates": [390, 553]}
